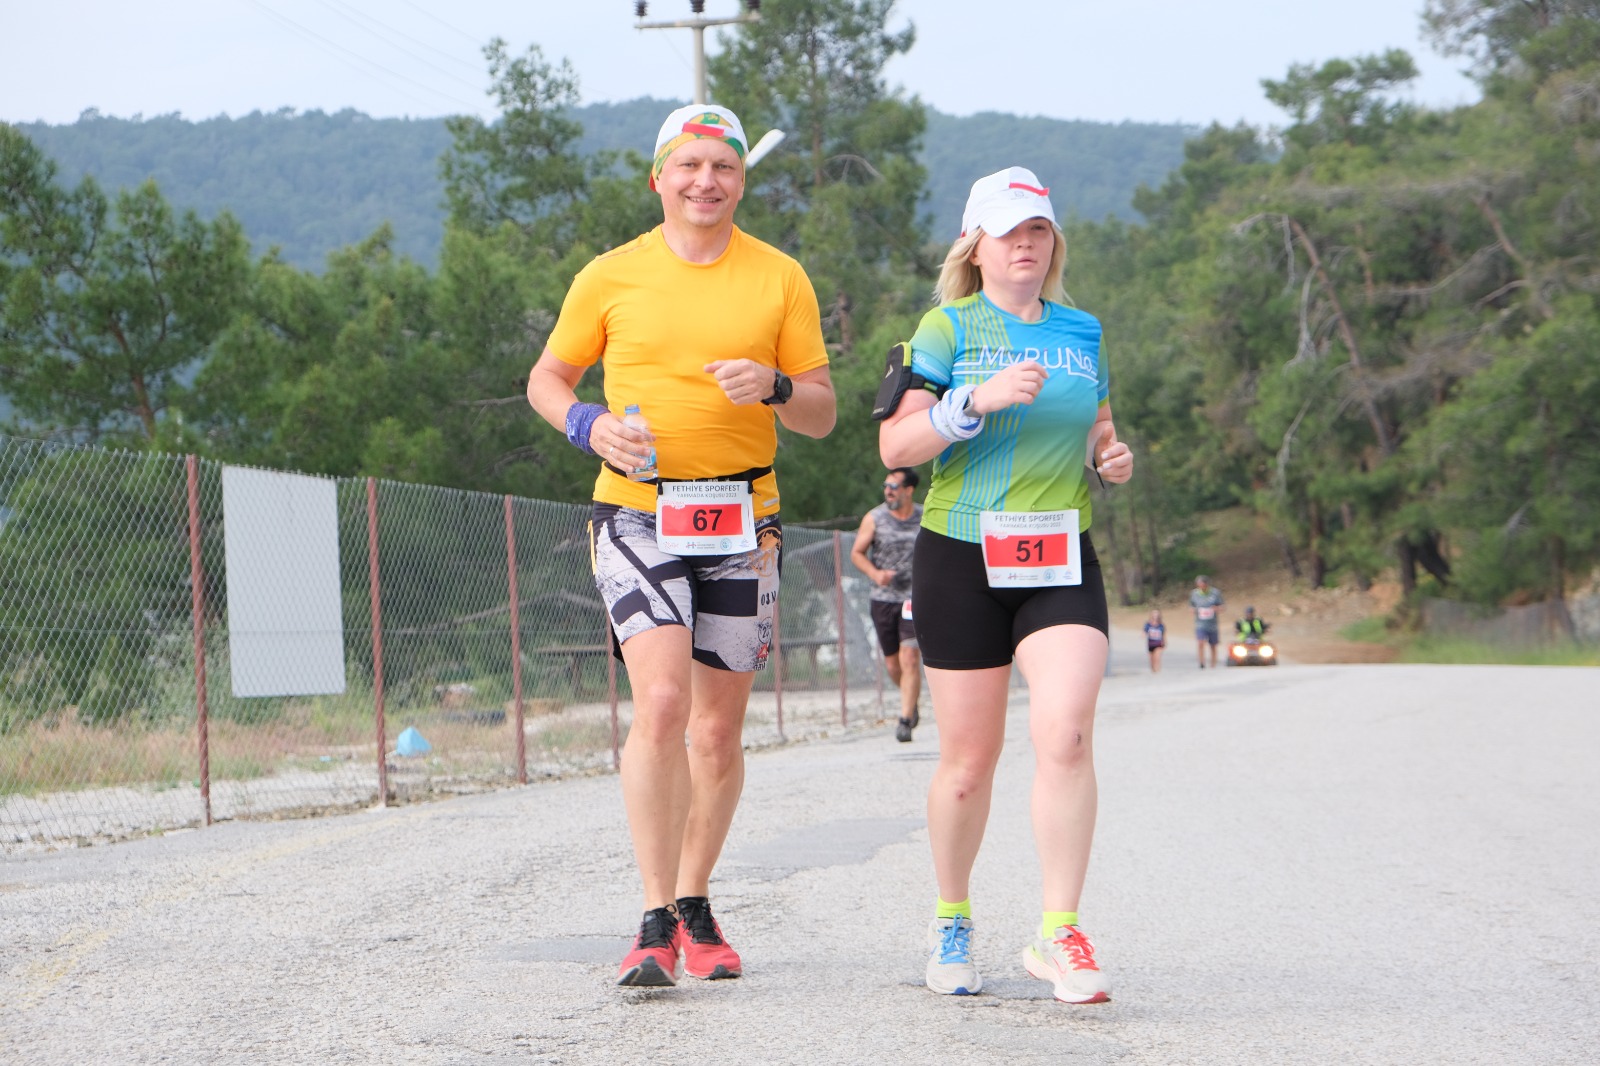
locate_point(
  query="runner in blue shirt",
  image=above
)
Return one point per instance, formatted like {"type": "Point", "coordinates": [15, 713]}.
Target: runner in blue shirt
{"type": "Point", "coordinates": [1004, 568]}
{"type": "Point", "coordinates": [1205, 599]}
{"type": "Point", "coordinates": [1155, 639]}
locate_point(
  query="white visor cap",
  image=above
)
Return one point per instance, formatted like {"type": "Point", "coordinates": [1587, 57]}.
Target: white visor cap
{"type": "Point", "coordinates": [703, 120]}
{"type": "Point", "coordinates": [1000, 202]}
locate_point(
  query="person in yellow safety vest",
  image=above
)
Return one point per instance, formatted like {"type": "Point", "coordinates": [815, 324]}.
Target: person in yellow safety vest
{"type": "Point", "coordinates": [1250, 627]}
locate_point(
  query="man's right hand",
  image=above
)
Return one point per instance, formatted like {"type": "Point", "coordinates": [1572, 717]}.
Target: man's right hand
{"type": "Point", "coordinates": [743, 381]}
{"type": "Point", "coordinates": [622, 445]}
{"type": "Point", "coordinates": [883, 577]}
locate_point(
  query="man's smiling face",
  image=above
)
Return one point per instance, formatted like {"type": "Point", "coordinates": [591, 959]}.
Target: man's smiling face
{"type": "Point", "coordinates": [701, 184]}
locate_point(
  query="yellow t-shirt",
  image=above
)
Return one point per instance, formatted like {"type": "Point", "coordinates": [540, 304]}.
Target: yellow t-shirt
{"type": "Point", "coordinates": [657, 320]}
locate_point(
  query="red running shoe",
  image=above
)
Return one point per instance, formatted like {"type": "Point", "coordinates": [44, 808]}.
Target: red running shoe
{"type": "Point", "coordinates": [706, 954]}
{"type": "Point", "coordinates": [653, 962]}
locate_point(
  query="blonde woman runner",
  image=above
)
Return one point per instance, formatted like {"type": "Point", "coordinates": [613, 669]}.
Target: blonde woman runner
{"type": "Point", "coordinates": [1018, 418]}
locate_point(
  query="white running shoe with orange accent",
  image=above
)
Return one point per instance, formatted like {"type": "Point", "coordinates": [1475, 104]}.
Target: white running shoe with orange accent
{"type": "Point", "coordinates": [1066, 960]}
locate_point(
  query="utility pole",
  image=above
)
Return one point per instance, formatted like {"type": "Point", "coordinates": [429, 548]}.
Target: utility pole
{"type": "Point", "coordinates": [698, 24]}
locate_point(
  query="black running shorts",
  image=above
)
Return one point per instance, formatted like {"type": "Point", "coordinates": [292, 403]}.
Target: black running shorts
{"type": "Point", "coordinates": [963, 624]}
{"type": "Point", "coordinates": [892, 625]}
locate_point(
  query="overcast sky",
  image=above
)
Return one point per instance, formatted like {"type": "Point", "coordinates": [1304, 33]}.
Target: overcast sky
{"type": "Point", "coordinates": [1140, 60]}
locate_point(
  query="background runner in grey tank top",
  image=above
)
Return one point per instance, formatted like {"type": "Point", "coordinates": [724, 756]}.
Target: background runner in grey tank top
{"type": "Point", "coordinates": [892, 541]}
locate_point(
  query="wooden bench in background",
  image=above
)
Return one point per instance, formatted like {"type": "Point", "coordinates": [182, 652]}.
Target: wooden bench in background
{"type": "Point", "coordinates": [572, 657]}
{"type": "Point", "coordinates": [787, 646]}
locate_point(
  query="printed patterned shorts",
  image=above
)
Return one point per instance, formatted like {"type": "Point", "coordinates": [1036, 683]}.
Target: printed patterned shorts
{"type": "Point", "coordinates": [725, 600]}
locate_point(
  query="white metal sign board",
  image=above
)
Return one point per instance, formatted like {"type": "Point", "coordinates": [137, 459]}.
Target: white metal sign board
{"type": "Point", "coordinates": [285, 627]}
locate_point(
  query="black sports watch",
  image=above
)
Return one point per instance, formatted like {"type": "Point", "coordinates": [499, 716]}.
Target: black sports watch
{"type": "Point", "coordinates": [782, 389]}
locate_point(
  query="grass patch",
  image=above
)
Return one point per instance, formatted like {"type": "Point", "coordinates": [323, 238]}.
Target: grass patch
{"type": "Point", "coordinates": [1368, 631]}
{"type": "Point", "coordinates": [64, 753]}
{"type": "Point", "coordinates": [1426, 649]}
{"type": "Point", "coordinates": [587, 735]}
{"type": "Point", "coordinates": [69, 754]}
{"type": "Point", "coordinates": [1451, 650]}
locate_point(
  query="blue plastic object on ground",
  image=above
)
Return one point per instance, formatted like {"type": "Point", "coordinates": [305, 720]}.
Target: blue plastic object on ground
{"type": "Point", "coordinates": [412, 742]}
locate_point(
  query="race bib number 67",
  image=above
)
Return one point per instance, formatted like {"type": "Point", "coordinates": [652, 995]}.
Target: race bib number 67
{"type": "Point", "coordinates": [1023, 549]}
{"type": "Point", "coordinates": [705, 518]}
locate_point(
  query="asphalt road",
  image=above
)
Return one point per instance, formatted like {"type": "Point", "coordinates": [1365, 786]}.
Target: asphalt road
{"type": "Point", "coordinates": [1307, 864]}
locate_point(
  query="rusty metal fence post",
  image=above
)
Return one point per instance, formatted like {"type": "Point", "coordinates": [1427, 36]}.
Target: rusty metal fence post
{"type": "Point", "coordinates": [197, 605]}
{"type": "Point", "coordinates": [377, 641]}
{"type": "Point", "coordinates": [838, 591]}
{"type": "Point", "coordinates": [516, 648]}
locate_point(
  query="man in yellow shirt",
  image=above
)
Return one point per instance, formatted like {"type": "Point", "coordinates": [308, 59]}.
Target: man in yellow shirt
{"type": "Point", "coordinates": [715, 336]}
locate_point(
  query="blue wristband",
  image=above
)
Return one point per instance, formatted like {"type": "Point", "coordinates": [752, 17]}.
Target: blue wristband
{"type": "Point", "coordinates": [580, 420]}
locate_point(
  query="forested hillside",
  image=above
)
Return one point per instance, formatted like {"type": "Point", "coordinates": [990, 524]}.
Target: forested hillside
{"type": "Point", "coordinates": [306, 183]}
{"type": "Point", "coordinates": [1092, 167]}
{"type": "Point", "coordinates": [310, 183]}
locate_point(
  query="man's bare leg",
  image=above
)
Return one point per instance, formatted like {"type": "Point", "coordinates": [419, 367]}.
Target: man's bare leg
{"type": "Point", "coordinates": [910, 681]}
{"type": "Point", "coordinates": [716, 774]}
{"type": "Point", "coordinates": [716, 771]}
{"type": "Point", "coordinates": [656, 785]}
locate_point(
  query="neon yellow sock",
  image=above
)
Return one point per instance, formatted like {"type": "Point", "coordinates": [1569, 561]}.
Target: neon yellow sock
{"type": "Point", "coordinates": [955, 910]}
{"type": "Point", "coordinates": [1054, 920]}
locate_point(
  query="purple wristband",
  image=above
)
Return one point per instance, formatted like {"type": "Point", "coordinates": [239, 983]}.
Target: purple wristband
{"type": "Point", "coordinates": [580, 420]}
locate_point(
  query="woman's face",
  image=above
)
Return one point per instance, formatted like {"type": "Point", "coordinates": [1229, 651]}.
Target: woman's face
{"type": "Point", "coordinates": [1020, 258]}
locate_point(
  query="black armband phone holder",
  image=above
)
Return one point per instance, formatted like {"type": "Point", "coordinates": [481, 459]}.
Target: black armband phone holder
{"type": "Point", "coordinates": [897, 380]}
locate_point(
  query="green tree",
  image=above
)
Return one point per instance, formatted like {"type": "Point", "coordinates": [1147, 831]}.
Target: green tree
{"type": "Point", "coordinates": [1546, 35]}
{"type": "Point", "coordinates": [300, 381]}
{"type": "Point", "coordinates": [1342, 100]}
{"type": "Point", "coordinates": [843, 194]}
{"type": "Point", "coordinates": [1344, 299]}
{"type": "Point", "coordinates": [1121, 274]}
{"type": "Point", "coordinates": [1517, 452]}
{"type": "Point", "coordinates": [523, 175]}
{"type": "Point", "coordinates": [105, 309]}
{"type": "Point", "coordinates": [378, 368]}
{"type": "Point", "coordinates": [93, 561]}
{"type": "Point", "coordinates": [524, 168]}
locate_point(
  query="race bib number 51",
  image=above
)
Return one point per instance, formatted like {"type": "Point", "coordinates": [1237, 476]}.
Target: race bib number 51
{"type": "Point", "coordinates": [705, 518]}
{"type": "Point", "coordinates": [1031, 549]}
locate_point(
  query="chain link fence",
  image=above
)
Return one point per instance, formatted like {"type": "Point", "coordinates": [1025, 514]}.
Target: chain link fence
{"type": "Point", "coordinates": [474, 645]}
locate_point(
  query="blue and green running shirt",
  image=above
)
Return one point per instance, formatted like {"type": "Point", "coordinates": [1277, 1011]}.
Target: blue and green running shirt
{"type": "Point", "coordinates": [1028, 457]}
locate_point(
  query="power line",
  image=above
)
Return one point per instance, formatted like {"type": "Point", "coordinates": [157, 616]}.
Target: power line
{"type": "Point", "coordinates": [305, 31]}
{"type": "Point", "coordinates": [471, 37]}
{"type": "Point", "coordinates": [382, 27]}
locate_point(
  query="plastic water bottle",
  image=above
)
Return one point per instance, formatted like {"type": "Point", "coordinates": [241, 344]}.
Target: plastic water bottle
{"type": "Point", "coordinates": [632, 417]}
